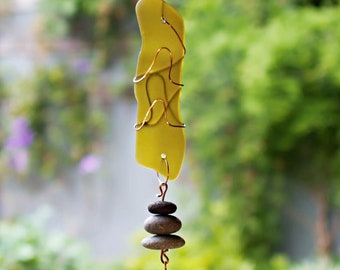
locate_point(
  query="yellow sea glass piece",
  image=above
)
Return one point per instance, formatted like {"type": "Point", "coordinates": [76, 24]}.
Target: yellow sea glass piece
{"type": "Point", "coordinates": [159, 127]}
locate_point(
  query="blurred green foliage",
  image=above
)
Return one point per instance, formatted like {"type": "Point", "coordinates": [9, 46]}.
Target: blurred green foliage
{"type": "Point", "coordinates": [65, 101]}
{"type": "Point", "coordinates": [268, 110]}
{"type": "Point", "coordinates": [105, 25]}
{"type": "Point", "coordinates": [290, 81]}
{"type": "Point", "coordinates": [26, 245]}
{"type": "Point", "coordinates": [64, 114]}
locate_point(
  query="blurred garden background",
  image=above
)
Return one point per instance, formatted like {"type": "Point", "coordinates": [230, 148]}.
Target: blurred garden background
{"type": "Point", "coordinates": [261, 102]}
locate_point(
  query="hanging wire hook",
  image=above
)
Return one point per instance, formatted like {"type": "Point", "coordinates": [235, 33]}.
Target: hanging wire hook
{"type": "Point", "coordinates": [164, 258]}
{"type": "Point", "coordinates": [163, 184]}
{"type": "Point", "coordinates": [163, 188]}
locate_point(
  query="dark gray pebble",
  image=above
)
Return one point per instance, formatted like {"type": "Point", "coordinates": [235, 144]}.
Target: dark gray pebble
{"type": "Point", "coordinates": [160, 224]}
{"type": "Point", "coordinates": [161, 242]}
{"type": "Point", "coordinates": [162, 208]}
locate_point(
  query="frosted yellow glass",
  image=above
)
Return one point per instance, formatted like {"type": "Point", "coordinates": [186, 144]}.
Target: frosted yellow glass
{"type": "Point", "coordinates": [159, 72]}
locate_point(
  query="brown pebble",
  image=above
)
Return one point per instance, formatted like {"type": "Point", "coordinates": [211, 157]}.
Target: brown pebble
{"type": "Point", "coordinates": [161, 242]}
{"type": "Point", "coordinates": [160, 224]}
{"type": "Point", "coordinates": [162, 208]}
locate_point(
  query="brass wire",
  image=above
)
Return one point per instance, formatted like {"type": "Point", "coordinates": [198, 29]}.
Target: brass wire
{"type": "Point", "coordinates": [165, 21]}
{"type": "Point", "coordinates": [166, 102]}
{"type": "Point", "coordinates": [140, 78]}
{"type": "Point", "coordinates": [137, 78]}
{"type": "Point", "coordinates": [163, 184]}
{"type": "Point", "coordinates": [165, 115]}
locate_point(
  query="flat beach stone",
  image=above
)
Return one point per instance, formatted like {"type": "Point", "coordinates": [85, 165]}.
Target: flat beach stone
{"type": "Point", "coordinates": [161, 242]}
{"type": "Point", "coordinates": [160, 224]}
{"type": "Point", "coordinates": [162, 208]}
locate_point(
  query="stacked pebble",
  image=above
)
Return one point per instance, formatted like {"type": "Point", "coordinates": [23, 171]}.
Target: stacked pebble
{"type": "Point", "coordinates": [163, 225]}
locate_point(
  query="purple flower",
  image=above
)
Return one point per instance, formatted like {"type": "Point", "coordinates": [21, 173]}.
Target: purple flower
{"type": "Point", "coordinates": [89, 164]}
{"type": "Point", "coordinates": [21, 135]}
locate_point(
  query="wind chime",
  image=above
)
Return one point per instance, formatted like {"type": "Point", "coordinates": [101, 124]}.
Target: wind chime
{"type": "Point", "coordinates": [160, 140]}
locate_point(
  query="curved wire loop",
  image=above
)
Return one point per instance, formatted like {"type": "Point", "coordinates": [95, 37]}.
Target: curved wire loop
{"type": "Point", "coordinates": [140, 78]}
{"type": "Point", "coordinates": [163, 188]}
{"type": "Point", "coordinates": [164, 258]}
{"type": "Point", "coordinates": [163, 184]}
{"type": "Point", "coordinates": [165, 115]}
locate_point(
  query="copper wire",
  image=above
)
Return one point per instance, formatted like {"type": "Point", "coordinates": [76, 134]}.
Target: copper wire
{"type": "Point", "coordinates": [164, 258]}
{"type": "Point", "coordinates": [163, 184]}
{"type": "Point", "coordinates": [163, 188]}
{"type": "Point", "coordinates": [165, 21]}
{"type": "Point", "coordinates": [165, 115]}
{"type": "Point", "coordinates": [166, 101]}
{"type": "Point", "coordinates": [140, 78]}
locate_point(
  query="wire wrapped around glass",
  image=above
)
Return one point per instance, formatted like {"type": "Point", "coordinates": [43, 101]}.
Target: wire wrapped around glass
{"type": "Point", "coordinates": [160, 138]}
